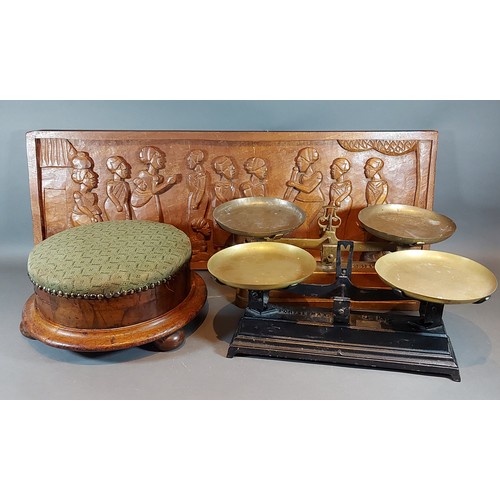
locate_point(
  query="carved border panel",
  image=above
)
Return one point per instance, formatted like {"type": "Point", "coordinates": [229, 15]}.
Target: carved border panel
{"type": "Point", "coordinates": [84, 177]}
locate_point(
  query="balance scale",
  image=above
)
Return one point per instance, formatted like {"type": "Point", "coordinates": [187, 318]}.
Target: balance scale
{"type": "Point", "coordinates": [411, 340]}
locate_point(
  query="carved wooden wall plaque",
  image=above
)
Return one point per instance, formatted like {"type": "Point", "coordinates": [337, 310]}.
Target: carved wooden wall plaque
{"type": "Point", "coordinates": [84, 177]}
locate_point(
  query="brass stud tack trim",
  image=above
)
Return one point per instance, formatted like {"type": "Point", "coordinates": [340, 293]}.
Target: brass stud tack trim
{"type": "Point", "coordinates": [99, 296]}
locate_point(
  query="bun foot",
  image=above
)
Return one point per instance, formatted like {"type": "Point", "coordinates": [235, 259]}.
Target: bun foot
{"type": "Point", "coordinates": [170, 341]}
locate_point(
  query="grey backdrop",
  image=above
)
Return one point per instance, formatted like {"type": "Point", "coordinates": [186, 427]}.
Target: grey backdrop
{"type": "Point", "coordinates": [467, 190]}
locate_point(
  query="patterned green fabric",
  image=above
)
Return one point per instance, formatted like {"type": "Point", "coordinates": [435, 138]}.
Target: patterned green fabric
{"type": "Point", "coordinates": [108, 258]}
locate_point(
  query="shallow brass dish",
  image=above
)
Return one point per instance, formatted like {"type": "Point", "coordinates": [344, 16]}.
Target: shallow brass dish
{"type": "Point", "coordinates": [405, 224]}
{"type": "Point", "coordinates": [261, 265]}
{"type": "Point", "coordinates": [259, 216]}
{"type": "Point", "coordinates": [435, 276]}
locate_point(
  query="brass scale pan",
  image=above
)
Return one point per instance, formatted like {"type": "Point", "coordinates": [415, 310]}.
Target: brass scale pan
{"type": "Point", "coordinates": [435, 276]}
{"type": "Point", "coordinates": [421, 274]}
{"type": "Point", "coordinates": [261, 265]}
{"type": "Point", "coordinates": [259, 217]}
{"type": "Point", "coordinates": [405, 224]}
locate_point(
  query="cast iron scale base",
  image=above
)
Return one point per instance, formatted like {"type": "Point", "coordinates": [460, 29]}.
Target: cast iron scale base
{"type": "Point", "coordinates": [383, 340]}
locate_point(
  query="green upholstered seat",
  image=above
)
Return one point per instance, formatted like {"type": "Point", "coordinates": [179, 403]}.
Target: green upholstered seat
{"type": "Point", "coordinates": [107, 259]}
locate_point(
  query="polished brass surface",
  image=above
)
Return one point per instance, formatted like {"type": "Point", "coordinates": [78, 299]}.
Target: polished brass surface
{"type": "Point", "coordinates": [308, 242]}
{"type": "Point", "coordinates": [259, 216]}
{"type": "Point", "coordinates": [261, 265]}
{"type": "Point", "coordinates": [330, 239]}
{"type": "Point", "coordinates": [405, 224]}
{"type": "Point", "coordinates": [435, 276]}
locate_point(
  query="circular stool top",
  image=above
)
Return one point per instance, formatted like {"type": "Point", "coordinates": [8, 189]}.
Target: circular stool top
{"type": "Point", "coordinates": [108, 259]}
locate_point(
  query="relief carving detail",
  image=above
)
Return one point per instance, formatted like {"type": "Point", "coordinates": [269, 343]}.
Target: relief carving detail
{"type": "Point", "coordinates": [256, 185]}
{"type": "Point", "coordinates": [56, 152]}
{"type": "Point", "coordinates": [85, 209]}
{"type": "Point", "coordinates": [149, 184]}
{"type": "Point", "coordinates": [202, 232]}
{"type": "Point", "coordinates": [340, 193]}
{"type": "Point", "coordinates": [304, 186]}
{"type": "Point", "coordinates": [376, 194]}
{"type": "Point", "coordinates": [376, 187]}
{"type": "Point", "coordinates": [392, 147]}
{"type": "Point", "coordinates": [224, 189]}
{"type": "Point", "coordinates": [117, 203]}
{"type": "Point", "coordinates": [198, 184]}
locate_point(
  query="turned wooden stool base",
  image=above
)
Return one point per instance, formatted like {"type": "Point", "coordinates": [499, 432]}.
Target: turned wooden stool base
{"type": "Point", "coordinates": [164, 332]}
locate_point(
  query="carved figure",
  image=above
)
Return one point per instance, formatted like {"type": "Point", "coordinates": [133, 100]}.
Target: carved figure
{"type": "Point", "coordinates": [85, 209]}
{"type": "Point", "coordinates": [199, 242]}
{"type": "Point", "coordinates": [198, 185]}
{"type": "Point", "coordinates": [117, 203]}
{"type": "Point", "coordinates": [376, 194]}
{"type": "Point", "coordinates": [305, 182]}
{"type": "Point", "coordinates": [256, 185]}
{"type": "Point", "coordinates": [224, 190]}
{"type": "Point", "coordinates": [150, 184]}
{"type": "Point", "coordinates": [340, 193]}
{"type": "Point", "coordinates": [376, 187]}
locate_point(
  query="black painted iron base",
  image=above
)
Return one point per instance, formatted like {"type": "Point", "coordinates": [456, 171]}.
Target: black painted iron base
{"type": "Point", "coordinates": [396, 342]}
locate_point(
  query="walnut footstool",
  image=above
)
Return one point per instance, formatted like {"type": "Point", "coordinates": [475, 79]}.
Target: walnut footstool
{"type": "Point", "coordinates": [112, 285]}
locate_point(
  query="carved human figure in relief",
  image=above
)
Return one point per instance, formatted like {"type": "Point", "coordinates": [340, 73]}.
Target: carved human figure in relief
{"type": "Point", "coordinates": [340, 193]}
{"type": "Point", "coordinates": [376, 194]}
{"type": "Point", "coordinates": [198, 182]}
{"type": "Point", "coordinates": [256, 185]}
{"type": "Point", "coordinates": [150, 184]}
{"type": "Point", "coordinates": [303, 188]}
{"type": "Point", "coordinates": [117, 204]}
{"type": "Point", "coordinates": [376, 187]}
{"type": "Point", "coordinates": [199, 243]}
{"type": "Point", "coordinates": [224, 190]}
{"type": "Point", "coordinates": [85, 209]}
